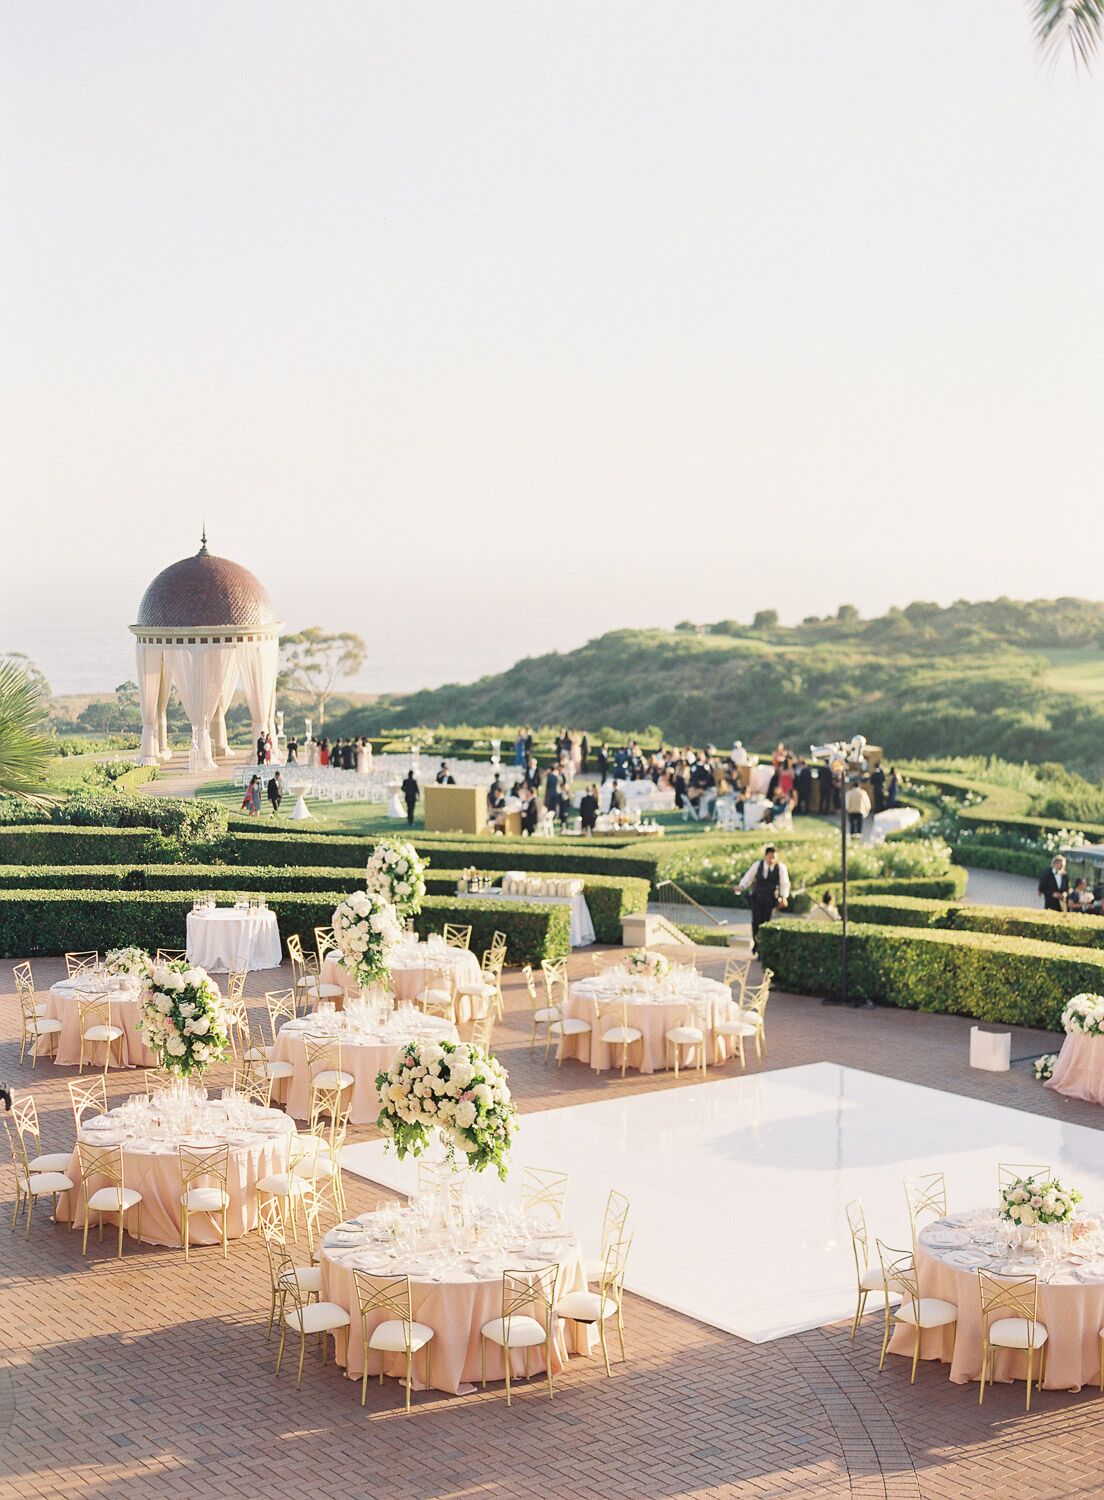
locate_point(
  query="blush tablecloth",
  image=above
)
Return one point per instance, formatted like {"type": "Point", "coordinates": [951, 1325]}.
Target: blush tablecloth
{"type": "Point", "coordinates": [362, 1055]}
{"type": "Point", "coordinates": [62, 1006]}
{"type": "Point", "coordinates": [218, 940]}
{"type": "Point", "coordinates": [412, 967]}
{"type": "Point", "coordinates": [1079, 1071]}
{"type": "Point", "coordinates": [654, 1007]}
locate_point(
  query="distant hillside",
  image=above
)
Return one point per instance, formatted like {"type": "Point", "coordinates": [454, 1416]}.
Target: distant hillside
{"type": "Point", "coordinates": [1024, 681]}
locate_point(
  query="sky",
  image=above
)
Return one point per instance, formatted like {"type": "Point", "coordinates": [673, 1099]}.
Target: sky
{"type": "Point", "coordinates": [481, 328]}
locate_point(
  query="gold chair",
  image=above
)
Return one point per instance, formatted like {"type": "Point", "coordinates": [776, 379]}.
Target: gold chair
{"type": "Point", "coordinates": [736, 971]}
{"type": "Point", "coordinates": [918, 1313]}
{"type": "Point", "coordinates": [114, 1198]}
{"type": "Point", "coordinates": [309, 1278]}
{"type": "Point", "coordinates": [78, 964]}
{"type": "Point", "coordinates": [524, 1293]}
{"type": "Point", "coordinates": [320, 1152]}
{"type": "Point", "coordinates": [457, 936]}
{"type": "Point", "coordinates": [203, 1189]}
{"type": "Point", "coordinates": [31, 1185]}
{"type": "Point", "coordinates": [24, 983]}
{"type": "Point", "coordinates": [88, 1098]}
{"type": "Point", "coordinates": [566, 1026]}
{"type": "Point", "coordinates": [543, 1188]}
{"type": "Point", "coordinates": [555, 980]}
{"type": "Point", "coordinates": [611, 1019]}
{"type": "Point", "coordinates": [304, 1316]}
{"type": "Point", "coordinates": [1017, 1298]}
{"type": "Point", "coordinates": [254, 1086]}
{"type": "Point", "coordinates": [692, 1030]}
{"type": "Point", "coordinates": [24, 1113]}
{"type": "Point", "coordinates": [499, 943]}
{"type": "Point", "coordinates": [288, 1186]}
{"type": "Point", "coordinates": [171, 956]}
{"type": "Point", "coordinates": [754, 1011]}
{"type": "Point", "coordinates": [436, 996]}
{"type": "Point", "coordinates": [324, 943]}
{"type": "Point", "coordinates": [868, 1278]}
{"type": "Point", "coordinates": [325, 1073]}
{"type": "Point", "coordinates": [925, 1194]}
{"type": "Point", "coordinates": [398, 1333]}
{"type": "Point", "coordinates": [482, 1031]}
{"type": "Point", "coordinates": [96, 1029]}
{"type": "Point", "coordinates": [540, 1015]}
{"type": "Point", "coordinates": [614, 1222]}
{"type": "Point", "coordinates": [485, 994]}
{"type": "Point", "coordinates": [235, 982]}
{"type": "Point", "coordinates": [306, 982]}
{"type": "Point", "coordinates": [237, 1024]}
{"type": "Point", "coordinates": [153, 1081]}
{"type": "Point", "coordinates": [607, 1302]}
{"type": "Point", "coordinates": [1009, 1172]}
{"type": "Point", "coordinates": [37, 1029]}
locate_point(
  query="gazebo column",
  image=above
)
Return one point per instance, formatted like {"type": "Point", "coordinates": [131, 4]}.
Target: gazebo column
{"type": "Point", "coordinates": [218, 731]}
{"type": "Point", "coordinates": [163, 714]}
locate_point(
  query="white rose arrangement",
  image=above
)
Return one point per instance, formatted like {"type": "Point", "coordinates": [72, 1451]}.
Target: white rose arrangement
{"type": "Point", "coordinates": [1045, 1065]}
{"type": "Point", "coordinates": [641, 961]}
{"type": "Point", "coordinates": [454, 1088]}
{"type": "Point", "coordinates": [182, 1018]}
{"type": "Point", "coordinates": [1084, 1013]}
{"type": "Point", "coordinates": [128, 963]}
{"type": "Point", "coordinates": [396, 875]}
{"type": "Point", "coordinates": [1028, 1201]}
{"type": "Point", "coordinates": [366, 928]}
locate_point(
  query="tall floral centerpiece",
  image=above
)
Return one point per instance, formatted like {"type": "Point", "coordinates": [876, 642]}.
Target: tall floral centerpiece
{"type": "Point", "coordinates": [456, 1089]}
{"type": "Point", "coordinates": [366, 928]}
{"type": "Point", "coordinates": [182, 1018]}
{"type": "Point", "coordinates": [396, 874]}
{"type": "Point", "coordinates": [133, 964]}
{"type": "Point", "coordinates": [1084, 1014]}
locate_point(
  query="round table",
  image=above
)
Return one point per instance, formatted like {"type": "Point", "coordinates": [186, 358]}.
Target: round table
{"type": "Point", "coordinates": [454, 1292]}
{"type": "Point", "coordinates": [412, 967]}
{"type": "Point", "coordinates": [1079, 1071]}
{"type": "Point", "coordinates": [152, 1165]}
{"type": "Point", "coordinates": [1070, 1304]}
{"type": "Point", "coordinates": [225, 937]}
{"type": "Point", "coordinates": [654, 1006]}
{"type": "Point", "coordinates": [62, 1006]}
{"type": "Point", "coordinates": [364, 1054]}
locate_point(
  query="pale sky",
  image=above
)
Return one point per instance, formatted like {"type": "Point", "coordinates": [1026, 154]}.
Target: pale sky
{"type": "Point", "coordinates": [482, 327]}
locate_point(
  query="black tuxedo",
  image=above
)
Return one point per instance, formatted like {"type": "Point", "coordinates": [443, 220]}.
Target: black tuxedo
{"type": "Point", "coordinates": [1054, 890]}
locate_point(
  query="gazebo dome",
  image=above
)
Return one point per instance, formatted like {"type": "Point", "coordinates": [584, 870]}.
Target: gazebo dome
{"type": "Point", "coordinates": [205, 591]}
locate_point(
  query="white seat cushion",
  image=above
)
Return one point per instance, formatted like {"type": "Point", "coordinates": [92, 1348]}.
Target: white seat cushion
{"type": "Point", "coordinates": [315, 1165]}
{"type": "Point", "coordinates": [685, 1036]}
{"type": "Point", "coordinates": [258, 1054]}
{"type": "Point", "coordinates": [547, 1013]}
{"type": "Point", "coordinates": [752, 1017]}
{"type": "Point", "coordinates": [933, 1312]}
{"type": "Point", "coordinates": [277, 1069]}
{"type": "Point", "coordinates": [523, 1332]}
{"type": "Point", "coordinates": [40, 1008]}
{"type": "Point", "coordinates": [50, 1161]}
{"type": "Point", "coordinates": [47, 1024]}
{"type": "Point", "coordinates": [621, 1035]}
{"type": "Point", "coordinates": [735, 1028]}
{"type": "Point", "coordinates": [586, 1307]}
{"type": "Point", "coordinates": [308, 1277]}
{"type": "Point", "coordinates": [206, 1200]}
{"type": "Point", "coordinates": [436, 997]}
{"type": "Point", "coordinates": [48, 1182]}
{"type": "Point", "coordinates": [593, 1267]}
{"type": "Point", "coordinates": [1017, 1333]}
{"type": "Point", "coordinates": [281, 1184]}
{"type": "Point", "coordinates": [102, 1033]}
{"type": "Point", "coordinates": [106, 1199]}
{"type": "Point", "coordinates": [570, 1026]}
{"type": "Point", "coordinates": [391, 1336]}
{"type": "Point", "coordinates": [332, 1079]}
{"type": "Point", "coordinates": [319, 1317]}
{"type": "Point", "coordinates": [871, 1279]}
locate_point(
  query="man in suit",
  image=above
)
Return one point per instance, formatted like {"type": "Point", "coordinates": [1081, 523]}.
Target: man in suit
{"type": "Point", "coordinates": [260, 749]}
{"type": "Point", "coordinates": [588, 810]}
{"type": "Point", "coordinates": [275, 792]}
{"type": "Point", "coordinates": [530, 813]}
{"type": "Point", "coordinates": [803, 781]}
{"type": "Point", "coordinates": [1054, 886]}
{"type": "Point", "coordinates": [551, 791]}
{"type": "Point", "coordinates": [411, 792]}
{"type": "Point", "coordinates": [603, 762]}
{"type": "Point", "coordinates": [445, 776]}
{"type": "Point", "coordinates": [877, 787]}
{"type": "Point", "coordinates": [767, 883]}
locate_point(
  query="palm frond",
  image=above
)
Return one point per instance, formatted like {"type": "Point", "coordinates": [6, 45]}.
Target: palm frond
{"type": "Point", "coordinates": [24, 748]}
{"type": "Point", "coordinates": [1076, 24]}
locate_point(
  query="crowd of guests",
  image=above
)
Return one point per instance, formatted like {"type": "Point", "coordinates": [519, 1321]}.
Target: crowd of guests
{"type": "Point", "coordinates": [1060, 895]}
{"type": "Point", "coordinates": [341, 754]}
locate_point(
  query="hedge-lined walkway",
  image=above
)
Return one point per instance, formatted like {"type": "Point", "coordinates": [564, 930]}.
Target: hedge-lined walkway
{"type": "Point", "coordinates": [997, 888]}
{"type": "Point", "coordinates": [153, 1378]}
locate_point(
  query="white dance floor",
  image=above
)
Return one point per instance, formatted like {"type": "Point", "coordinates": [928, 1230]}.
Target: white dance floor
{"type": "Point", "coordinates": [738, 1187]}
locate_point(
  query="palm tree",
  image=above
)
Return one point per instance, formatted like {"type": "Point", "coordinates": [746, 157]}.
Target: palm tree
{"type": "Point", "coordinates": [24, 749]}
{"type": "Point", "coordinates": [1076, 24]}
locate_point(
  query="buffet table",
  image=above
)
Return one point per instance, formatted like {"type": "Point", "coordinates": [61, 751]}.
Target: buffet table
{"type": "Point", "coordinates": [226, 937]}
{"type": "Point", "coordinates": [582, 927]}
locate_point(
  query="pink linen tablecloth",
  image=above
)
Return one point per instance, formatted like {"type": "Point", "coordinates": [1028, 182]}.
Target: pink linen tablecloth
{"type": "Point", "coordinates": [456, 1311]}
{"type": "Point", "coordinates": [61, 1004]}
{"type": "Point", "coordinates": [1079, 1071]}
{"type": "Point", "coordinates": [653, 1017]}
{"type": "Point", "coordinates": [362, 1058]}
{"type": "Point", "coordinates": [411, 971]}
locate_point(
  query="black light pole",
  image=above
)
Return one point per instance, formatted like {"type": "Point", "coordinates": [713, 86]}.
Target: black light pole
{"type": "Point", "coordinates": [843, 883]}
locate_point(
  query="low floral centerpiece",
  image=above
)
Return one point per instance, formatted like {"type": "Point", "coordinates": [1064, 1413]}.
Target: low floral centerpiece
{"type": "Point", "coordinates": [1030, 1201]}
{"type": "Point", "coordinates": [396, 874]}
{"type": "Point", "coordinates": [641, 961]}
{"type": "Point", "coordinates": [366, 929]}
{"type": "Point", "coordinates": [182, 1018]}
{"type": "Point", "coordinates": [1045, 1065]}
{"type": "Point", "coordinates": [456, 1089]}
{"type": "Point", "coordinates": [128, 963]}
{"type": "Point", "coordinates": [1084, 1013]}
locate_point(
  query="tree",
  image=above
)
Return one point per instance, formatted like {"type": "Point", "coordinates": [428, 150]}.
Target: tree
{"type": "Point", "coordinates": [1076, 24]}
{"type": "Point", "coordinates": [847, 614]}
{"type": "Point", "coordinates": [314, 662]}
{"type": "Point", "coordinates": [24, 749]}
{"type": "Point", "coordinates": [29, 670]}
{"type": "Point", "coordinates": [765, 619]}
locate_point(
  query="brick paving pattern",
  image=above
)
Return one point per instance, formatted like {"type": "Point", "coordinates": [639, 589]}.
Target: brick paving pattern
{"type": "Point", "coordinates": [151, 1377]}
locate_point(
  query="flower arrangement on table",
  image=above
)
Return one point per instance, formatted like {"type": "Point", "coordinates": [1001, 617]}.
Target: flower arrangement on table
{"type": "Point", "coordinates": [454, 1088]}
{"type": "Point", "coordinates": [128, 963]}
{"type": "Point", "coordinates": [641, 961]}
{"type": "Point", "coordinates": [1028, 1201]}
{"type": "Point", "coordinates": [396, 875]}
{"type": "Point", "coordinates": [1045, 1065]}
{"type": "Point", "coordinates": [1085, 1014]}
{"type": "Point", "coordinates": [182, 1018]}
{"type": "Point", "coordinates": [366, 928]}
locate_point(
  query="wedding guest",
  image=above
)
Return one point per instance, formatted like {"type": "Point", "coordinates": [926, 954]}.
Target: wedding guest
{"type": "Point", "coordinates": [268, 749]}
{"type": "Point", "coordinates": [1081, 898]}
{"type": "Point", "coordinates": [275, 792]}
{"type": "Point", "coordinates": [803, 781]}
{"type": "Point", "coordinates": [893, 787]}
{"type": "Point", "coordinates": [768, 883]}
{"type": "Point", "coordinates": [260, 749]}
{"type": "Point", "coordinates": [827, 909]}
{"type": "Point", "coordinates": [411, 791]}
{"type": "Point", "coordinates": [444, 776]}
{"type": "Point", "coordinates": [858, 808]}
{"type": "Point", "coordinates": [602, 762]}
{"type": "Point", "coordinates": [617, 798]}
{"type": "Point", "coordinates": [530, 811]}
{"type": "Point", "coordinates": [324, 752]}
{"type": "Point", "coordinates": [1054, 886]}
{"type": "Point", "coordinates": [249, 805]}
{"type": "Point", "coordinates": [584, 751]}
{"type": "Point", "coordinates": [293, 752]}
{"type": "Point", "coordinates": [551, 790]}
{"type": "Point", "coordinates": [877, 787]}
{"type": "Point", "coordinates": [588, 810]}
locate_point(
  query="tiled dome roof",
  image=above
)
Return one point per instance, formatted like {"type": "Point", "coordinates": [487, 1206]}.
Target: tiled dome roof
{"type": "Point", "coordinates": [205, 590]}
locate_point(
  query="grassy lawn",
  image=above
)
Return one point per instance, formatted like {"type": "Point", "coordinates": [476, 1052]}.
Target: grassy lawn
{"type": "Point", "coordinates": [1075, 669]}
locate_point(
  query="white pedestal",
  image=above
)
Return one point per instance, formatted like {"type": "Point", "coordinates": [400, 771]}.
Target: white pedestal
{"type": "Point", "coordinates": [990, 1050]}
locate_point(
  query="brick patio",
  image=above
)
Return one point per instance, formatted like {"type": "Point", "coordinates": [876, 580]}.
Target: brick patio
{"type": "Point", "coordinates": [151, 1377]}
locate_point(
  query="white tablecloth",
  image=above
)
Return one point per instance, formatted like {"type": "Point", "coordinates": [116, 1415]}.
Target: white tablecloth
{"type": "Point", "coordinates": [218, 940]}
{"type": "Point", "coordinates": [582, 928]}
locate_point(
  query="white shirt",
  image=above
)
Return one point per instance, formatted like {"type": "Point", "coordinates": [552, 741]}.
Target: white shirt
{"type": "Point", "coordinates": [783, 879]}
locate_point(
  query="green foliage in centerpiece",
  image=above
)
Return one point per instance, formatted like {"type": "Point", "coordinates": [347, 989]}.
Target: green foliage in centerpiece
{"type": "Point", "coordinates": [454, 1088]}
{"type": "Point", "coordinates": [396, 874]}
{"type": "Point", "coordinates": [1031, 1200]}
{"type": "Point", "coordinates": [182, 1018]}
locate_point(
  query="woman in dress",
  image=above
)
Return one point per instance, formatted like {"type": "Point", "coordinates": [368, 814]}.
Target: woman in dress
{"type": "Point", "coordinates": [268, 749]}
{"type": "Point", "coordinates": [324, 752]}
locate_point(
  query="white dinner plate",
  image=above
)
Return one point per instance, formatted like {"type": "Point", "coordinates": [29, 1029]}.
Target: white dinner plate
{"type": "Point", "coordinates": [945, 1239]}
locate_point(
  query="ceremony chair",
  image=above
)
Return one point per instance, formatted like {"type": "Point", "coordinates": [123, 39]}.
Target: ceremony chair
{"type": "Point", "coordinates": [308, 1277]}
{"type": "Point", "coordinates": [543, 1188]}
{"type": "Point", "coordinates": [397, 1334]}
{"type": "Point", "coordinates": [925, 1194]}
{"type": "Point", "coordinates": [612, 1021]}
{"type": "Point", "coordinates": [24, 1114]}
{"type": "Point", "coordinates": [24, 982]}
{"type": "Point", "coordinates": [692, 1030]}
{"type": "Point", "coordinates": [918, 1313]}
{"type": "Point", "coordinates": [303, 1316]}
{"type": "Point", "coordinates": [203, 1189]}
{"type": "Point", "coordinates": [77, 964]}
{"type": "Point", "coordinates": [523, 1294]}
{"type": "Point", "coordinates": [540, 1015]}
{"type": "Point", "coordinates": [171, 956]}
{"type": "Point", "coordinates": [614, 1222]}
{"type": "Point", "coordinates": [88, 1098]}
{"type": "Point", "coordinates": [36, 1028]}
{"type": "Point", "coordinates": [30, 1185]}
{"type": "Point", "coordinates": [96, 1029]}
{"type": "Point", "coordinates": [607, 1302]}
{"type": "Point", "coordinates": [868, 1278]}
{"type": "Point", "coordinates": [1009, 1172]}
{"type": "Point", "coordinates": [1017, 1299]}
{"type": "Point", "coordinates": [114, 1198]}
{"type": "Point", "coordinates": [456, 935]}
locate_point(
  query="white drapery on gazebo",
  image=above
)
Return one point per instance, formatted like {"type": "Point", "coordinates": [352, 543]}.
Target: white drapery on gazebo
{"type": "Point", "coordinates": [206, 673]}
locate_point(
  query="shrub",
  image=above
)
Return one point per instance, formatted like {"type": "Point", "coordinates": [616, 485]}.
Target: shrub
{"type": "Point", "coordinates": [1011, 861]}
{"type": "Point", "coordinates": [190, 823]}
{"type": "Point", "coordinates": [1067, 928]}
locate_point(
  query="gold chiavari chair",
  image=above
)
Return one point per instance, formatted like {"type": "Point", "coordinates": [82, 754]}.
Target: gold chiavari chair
{"type": "Point", "coordinates": [607, 1302]}
{"type": "Point", "coordinates": [397, 1333]}
{"type": "Point", "coordinates": [171, 956]}
{"type": "Point", "coordinates": [30, 1185]}
{"type": "Point", "coordinates": [918, 1313]}
{"type": "Point", "coordinates": [923, 1195]}
{"type": "Point", "coordinates": [309, 1278]}
{"type": "Point", "coordinates": [540, 1014]}
{"type": "Point", "coordinates": [287, 1187]}
{"type": "Point", "coordinates": [499, 943]}
{"type": "Point", "coordinates": [485, 993]}
{"type": "Point", "coordinates": [736, 971]}
{"type": "Point", "coordinates": [1016, 1299]}
{"type": "Point", "coordinates": [257, 1056]}
{"type": "Point", "coordinates": [304, 1316]}
{"type": "Point", "coordinates": [566, 1026]}
{"type": "Point", "coordinates": [456, 935]}
{"type": "Point", "coordinates": [306, 981]}
{"type": "Point", "coordinates": [868, 1278]}
{"type": "Point", "coordinates": [754, 1011]}
{"type": "Point", "coordinates": [1009, 1172]}
{"type": "Point", "coordinates": [614, 1222]}
{"type": "Point", "coordinates": [324, 943]}
{"type": "Point", "coordinates": [24, 1114]}
{"type": "Point", "coordinates": [203, 1190]}
{"type": "Point", "coordinates": [256, 1087]}
{"type": "Point", "coordinates": [24, 983]}
{"type": "Point", "coordinates": [692, 1030]}
{"type": "Point", "coordinates": [37, 1029]}
{"type": "Point", "coordinates": [235, 982]}
{"type": "Point", "coordinates": [611, 1019]}
{"type": "Point", "coordinates": [78, 964]}
{"type": "Point", "coordinates": [543, 1188]}
{"type": "Point", "coordinates": [555, 980]}
{"type": "Point", "coordinates": [320, 1162]}
{"type": "Point", "coordinates": [153, 1081]}
{"type": "Point", "coordinates": [88, 1098]}
{"type": "Point", "coordinates": [325, 1074]}
{"type": "Point", "coordinates": [114, 1197]}
{"type": "Point", "coordinates": [97, 1030]}
{"type": "Point", "coordinates": [482, 1031]}
{"type": "Point", "coordinates": [436, 997]}
{"type": "Point", "coordinates": [524, 1293]}
{"type": "Point", "coordinates": [237, 1024]}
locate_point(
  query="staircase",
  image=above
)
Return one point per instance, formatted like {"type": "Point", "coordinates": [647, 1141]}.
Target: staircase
{"type": "Point", "coordinates": [673, 909]}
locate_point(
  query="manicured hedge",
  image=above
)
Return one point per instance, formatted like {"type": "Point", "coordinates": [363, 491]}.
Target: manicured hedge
{"type": "Point", "coordinates": [1008, 980]}
{"type": "Point", "coordinates": [1067, 928]}
{"type": "Point", "coordinates": [49, 844]}
{"type": "Point", "coordinates": [37, 922]}
{"type": "Point", "coordinates": [935, 887]}
{"type": "Point", "coordinates": [992, 857]}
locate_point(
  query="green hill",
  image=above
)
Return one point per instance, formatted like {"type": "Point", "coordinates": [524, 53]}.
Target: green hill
{"type": "Point", "coordinates": [1020, 680]}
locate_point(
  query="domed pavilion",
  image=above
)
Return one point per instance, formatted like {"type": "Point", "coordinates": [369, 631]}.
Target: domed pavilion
{"type": "Point", "coordinates": [205, 625]}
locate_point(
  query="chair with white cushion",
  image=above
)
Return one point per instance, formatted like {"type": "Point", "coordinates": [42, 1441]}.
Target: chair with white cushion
{"type": "Point", "coordinates": [1009, 1320]}
{"type": "Point", "coordinates": [692, 1031]}
{"type": "Point", "coordinates": [543, 1189]}
{"type": "Point", "coordinates": [320, 1154]}
{"type": "Point", "coordinates": [31, 1185]}
{"type": "Point", "coordinates": [114, 1197]}
{"type": "Point", "coordinates": [736, 971]}
{"type": "Point", "coordinates": [484, 994]}
{"type": "Point", "coordinates": [1009, 1172]}
{"type": "Point", "coordinates": [611, 1020]}
{"type": "Point", "coordinates": [554, 973]}
{"type": "Point", "coordinates": [287, 1187]}
{"type": "Point", "coordinates": [327, 1080]}
{"type": "Point", "coordinates": [396, 1334]}
{"type": "Point", "coordinates": [40, 1032]}
{"type": "Point", "coordinates": [868, 1278]}
{"type": "Point", "coordinates": [309, 1278]}
{"type": "Point", "coordinates": [926, 1194]}
{"type": "Point", "coordinates": [528, 1321]}
{"type": "Point", "coordinates": [77, 964]}
{"type": "Point", "coordinates": [308, 986]}
{"type": "Point", "coordinates": [614, 1223]}
{"type": "Point", "coordinates": [203, 1190]}
{"type": "Point", "coordinates": [540, 1015]}
{"type": "Point", "coordinates": [171, 956]}
{"type": "Point", "coordinates": [607, 1302]}
{"type": "Point", "coordinates": [303, 1315]}
{"type": "Point", "coordinates": [436, 996]}
{"type": "Point", "coordinates": [916, 1312]}
{"type": "Point", "coordinates": [98, 1030]}
{"type": "Point", "coordinates": [565, 1027]}
{"type": "Point", "coordinates": [457, 935]}
{"type": "Point", "coordinates": [87, 1098]}
{"type": "Point", "coordinates": [753, 1009]}
{"type": "Point", "coordinates": [25, 1119]}
{"type": "Point", "coordinates": [24, 983]}
{"type": "Point", "coordinates": [253, 1085]}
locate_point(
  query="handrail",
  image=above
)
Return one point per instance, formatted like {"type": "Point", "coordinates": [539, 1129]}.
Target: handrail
{"type": "Point", "coordinates": [687, 899]}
